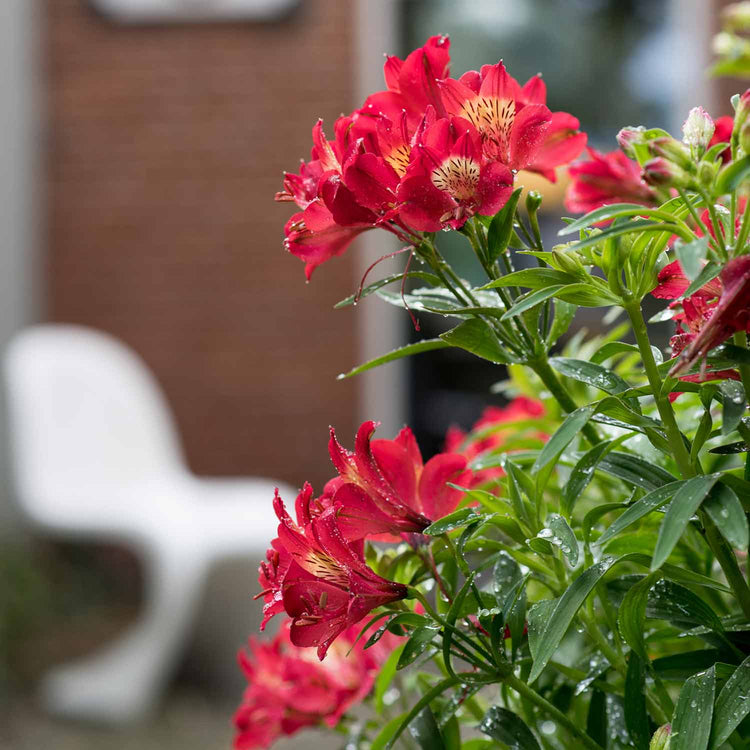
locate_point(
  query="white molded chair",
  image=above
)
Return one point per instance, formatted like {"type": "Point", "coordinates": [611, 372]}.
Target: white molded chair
{"type": "Point", "coordinates": [96, 455]}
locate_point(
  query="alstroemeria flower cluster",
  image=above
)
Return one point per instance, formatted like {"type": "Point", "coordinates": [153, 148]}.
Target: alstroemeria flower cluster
{"type": "Point", "coordinates": [289, 689]}
{"type": "Point", "coordinates": [315, 569]}
{"type": "Point", "coordinates": [427, 153]}
{"type": "Point", "coordinates": [708, 317]}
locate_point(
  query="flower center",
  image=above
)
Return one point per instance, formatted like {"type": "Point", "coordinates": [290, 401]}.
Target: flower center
{"type": "Point", "coordinates": [493, 118]}
{"type": "Point", "coordinates": [458, 176]}
{"type": "Point", "coordinates": [398, 159]}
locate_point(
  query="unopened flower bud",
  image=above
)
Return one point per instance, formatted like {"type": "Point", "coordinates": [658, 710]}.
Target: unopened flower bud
{"type": "Point", "coordinates": [698, 129]}
{"type": "Point", "coordinates": [672, 150]}
{"type": "Point", "coordinates": [533, 201]}
{"type": "Point", "coordinates": [661, 738]}
{"type": "Point", "coordinates": [660, 171]}
{"type": "Point", "coordinates": [742, 111]}
{"type": "Point", "coordinates": [630, 137]}
{"type": "Point", "coordinates": [568, 260]}
{"type": "Point", "coordinates": [707, 172]}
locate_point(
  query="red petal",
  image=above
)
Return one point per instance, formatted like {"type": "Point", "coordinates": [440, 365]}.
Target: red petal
{"type": "Point", "coordinates": [437, 498]}
{"type": "Point", "coordinates": [494, 188]}
{"type": "Point", "coordinates": [528, 134]}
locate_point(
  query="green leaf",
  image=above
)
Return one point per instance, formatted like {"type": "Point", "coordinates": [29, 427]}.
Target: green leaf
{"type": "Point", "coordinates": [424, 731]}
{"type": "Point", "coordinates": [653, 500]}
{"type": "Point", "coordinates": [691, 722]}
{"type": "Point", "coordinates": [635, 470]}
{"type": "Point", "coordinates": [532, 299]}
{"type": "Point", "coordinates": [538, 617]}
{"type": "Point", "coordinates": [573, 424]}
{"type": "Point", "coordinates": [501, 228]}
{"type": "Point", "coordinates": [564, 314]}
{"type": "Point", "coordinates": [386, 675]}
{"type": "Point", "coordinates": [671, 602]}
{"type": "Point", "coordinates": [455, 520]}
{"type": "Point", "coordinates": [636, 718]}
{"type": "Point", "coordinates": [733, 405]}
{"type": "Point", "coordinates": [387, 732]}
{"type": "Point", "coordinates": [732, 176]}
{"type": "Point", "coordinates": [691, 256]}
{"type": "Point", "coordinates": [506, 727]}
{"type": "Point", "coordinates": [405, 351]}
{"type": "Point", "coordinates": [589, 373]}
{"type": "Point", "coordinates": [725, 510]}
{"type": "Point", "coordinates": [587, 294]}
{"type": "Point", "coordinates": [604, 213]}
{"type": "Point", "coordinates": [710, 271]}
{"type": "Point", "coordinates": [620, 347]}
{"type": "Point", "coordinates": [732, 705]}
{"type": "Point", "coordinates": [631, 616]}
{"type": "Point", "coordinates": [477, 337]}
{"type": "Point", "coordinates": [556, 531]}
{"type": "Point", "coordinates": [565, 610]}
{"type": "Point", "coordinates": [596, 719]}
{"type": "Point", "coordinates": [628, 227]}
{"type": "Point", "coordinates": [419, 640]}
{"type": "Point", "coordinates": [685, 503]}
{"type": "Point", "coordinates": [532, 278]}
{"type": "Point", "coordinates": [583, 473]}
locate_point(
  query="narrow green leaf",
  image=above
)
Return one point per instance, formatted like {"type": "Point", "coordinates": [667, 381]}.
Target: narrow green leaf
{"type": "Point", "coordinates": [733, 405]}
{"type": "Point", "coordinates": [455, 520]}
{"type": "Point", "coordinates": [631, 616]}
{"type": "Point", "coordinates": [477, 337]}
{"type": "Point", "coordinates": [710, 271]}
{"type": "Point", "coordinates": [726, 511]}
{"type": "Point", "coordinates": [506, 727]}
{"type": "Point", "coordinates": [691, 722]}
{"type": "Point", "coordinates": [419, 640]}
{"type": "Point", "coordinates": [655, 499]}
{"type": "Point", "coordinates": [564, 314]}
{"type": "Point", "coordinates": [565, 610]}
{"type": "Point", "coordinates": [685, 503]}
{"type": "Point", "coordinates": [425, 732]}
{"type": "Point", "coordinates": [636, 718]}
{"type": "Point", "coordinates": [556, 531]}
{"type": "Point", "coordinates": [582, 474]}
{"type": "Point", "coordinates": [368, 290]}
{"type": "Point", "coordinates": [596, 719]}
{"type": "Point", "coordinates": [636, 471]}
{"type": "Point", "coordinates": [405, 351]}
{"type": "Point", "coordinates": [532, 299]}
{"type": "Point", "coordinates": [629, 227]}
{"type": "Point", "coordinates": [732, 705]}
{"type": "Point", "coordinates": [589, 373]}
{"type": "Point", "coordinates": [501, 227]}
{"type": "Point", "coordinates": [532, 278]}
{"type": "Point", "coordinates": [620, 347]}
{"type": "Point", "coordinates": [387, 732]}
{"type": "Point", "coordinates": [587, 294]}
{"type": "Point", "coordinates": [604, 213]}
{"type": "Point", "coordinates": [672, 602]}
{"type": "Point", "coordinates": [733, 175]}
{"type": "Point", "coordinates": [573, 424]}
{"type": "Point", "coordinates": [538, 617]}
{"type": "Point", "coordinates": [451, 617]}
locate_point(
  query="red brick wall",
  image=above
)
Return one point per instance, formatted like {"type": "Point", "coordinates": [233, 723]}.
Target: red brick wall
{"type": "Point", "coordinates": [165, 147]}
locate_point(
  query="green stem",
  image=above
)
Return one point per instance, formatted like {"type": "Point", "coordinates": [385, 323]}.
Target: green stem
{"type": "Point", "coordinates": [549, 377]}
{"type": "Point", "coordinates": [533, 697]}
{"type": "Point", "coordinates": [716, 225]}
{"type": "Point", "coordinates": [744, 230]}
{"type": "Point", "coordinates": [681, 454]}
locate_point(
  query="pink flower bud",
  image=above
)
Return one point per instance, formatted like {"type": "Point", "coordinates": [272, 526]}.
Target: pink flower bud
{"type": "Point", "coordinates": [630, 137]}
{"type": "Point", "coordinates": [698, 129]}
{"type": "Point", "coordinates": [672, 150]}
{"type": "Point", "coordinates": [660, 171]}
{"type": "Point", "coordinates": [742, 111]}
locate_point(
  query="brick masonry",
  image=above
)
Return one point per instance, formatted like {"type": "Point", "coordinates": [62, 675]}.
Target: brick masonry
{"type": "Point", "coordinates": [165, 145]}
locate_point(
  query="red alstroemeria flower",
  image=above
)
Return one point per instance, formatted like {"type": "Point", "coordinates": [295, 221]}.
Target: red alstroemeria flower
{"type": "Point", "coordinates": [723, 134]}
{"type": "Point", "coordinates": [563, 141]}
{"type": "Point", "coordinates": [288, 690]}
{"type": "Point", "coordinates": [512, 132]}
{"type": "Point", "coordinates": [384, 486]}
{"type": "Point", "coordinates": [321, 580]}
{"type": "Point", "coordinates": [450, 180]}
{"type": "Point", "coordinates": [494, 431]}
{"type": "Point", "coordinates": [673, 283]}
{"type": "Point", "coordinates": [730, 314]}
{"type": "Point", "coordinates": [606, 179]}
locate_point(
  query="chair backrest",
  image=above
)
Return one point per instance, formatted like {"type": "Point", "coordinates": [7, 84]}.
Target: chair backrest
{"type": "Point", "coordinates": [87, 419]}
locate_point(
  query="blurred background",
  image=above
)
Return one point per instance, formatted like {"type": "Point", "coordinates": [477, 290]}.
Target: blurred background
{"type": "Point", "coordinates": [143, 141]}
